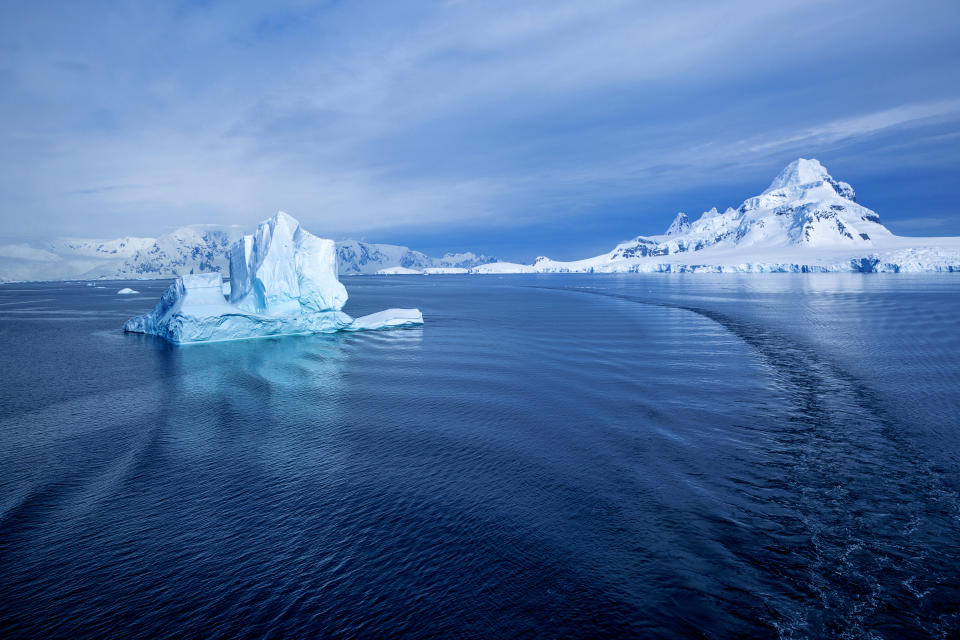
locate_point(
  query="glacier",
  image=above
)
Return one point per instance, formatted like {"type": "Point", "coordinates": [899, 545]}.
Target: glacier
{"type": "Point", "coordinates": [283, 281]}
{"type": "Point", "coordinates": [805, 221]}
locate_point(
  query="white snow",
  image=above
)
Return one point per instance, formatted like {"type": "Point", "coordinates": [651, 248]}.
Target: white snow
{"type": "Point", "coordinates": [126, 291]}
{"type": "Point", "coordinates": [503, 267]}
{"type": "Point", "coordinates": [354, 258]}
{"type": "Point", "coordinates": [464, 260]}
{"type": "Point", "coordinates": [283, 282]}
{"type": "Point", "coordinates": [116, 248]}
{"type": "Point", "coordinates": [434, 271]}
{"type": "Point", "coordinates": [398, 271]}
{"type": "Point", "coordinates": [804, 221]}
{"type": "Point", "coordinates": [192, 249]}
{"type": "Point", "coordinates": [679, 226]}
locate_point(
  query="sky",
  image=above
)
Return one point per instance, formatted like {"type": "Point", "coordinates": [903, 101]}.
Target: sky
{"type": "Point", "coordinates": [515, 129]}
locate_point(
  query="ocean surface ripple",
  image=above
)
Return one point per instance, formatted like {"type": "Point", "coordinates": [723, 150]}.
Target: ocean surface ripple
{"type": "Point", "coordinates": [772, 456]}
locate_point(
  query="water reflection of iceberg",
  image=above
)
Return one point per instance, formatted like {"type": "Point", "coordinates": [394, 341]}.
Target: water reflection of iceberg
{"type": "Point", "coordinates": [283, 281]}
{"type": "Point", "coordinates": [272, 406]}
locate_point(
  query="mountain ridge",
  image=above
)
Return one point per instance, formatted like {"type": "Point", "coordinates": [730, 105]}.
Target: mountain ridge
{"type": "Point", "coordinates": [188, 250]}
{"type": "Point", "coordinates": [806, 220]}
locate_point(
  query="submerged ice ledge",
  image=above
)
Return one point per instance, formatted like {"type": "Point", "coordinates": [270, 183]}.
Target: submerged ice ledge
{"type": "Point", "coordinates": [283, 281]}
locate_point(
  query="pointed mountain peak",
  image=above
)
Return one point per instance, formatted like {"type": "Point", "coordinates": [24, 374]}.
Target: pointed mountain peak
{"type": "Point", "coordinates": [680, 225]}
{"type": "Point", "coordinates": [800, 172]}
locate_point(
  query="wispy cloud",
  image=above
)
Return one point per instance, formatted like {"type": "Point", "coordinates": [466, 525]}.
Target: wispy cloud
{"type": "Point", "coordinates": [864, 125]}
{"type": "Point", "coordinates": [395, 118]}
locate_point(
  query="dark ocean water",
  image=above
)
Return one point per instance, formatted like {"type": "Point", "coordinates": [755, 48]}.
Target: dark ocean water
{"type": "Point", "coordinates": [548, 457]}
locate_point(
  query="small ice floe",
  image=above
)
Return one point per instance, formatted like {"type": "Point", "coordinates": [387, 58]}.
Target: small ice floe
{"type": "Point", "coordinates": [126, 291]}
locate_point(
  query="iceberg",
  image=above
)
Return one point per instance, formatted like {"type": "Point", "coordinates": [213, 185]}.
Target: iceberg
{"type": "Point", "coordinates": [283, 281]}
{"type": "Point", "coordinates": [127, 291]}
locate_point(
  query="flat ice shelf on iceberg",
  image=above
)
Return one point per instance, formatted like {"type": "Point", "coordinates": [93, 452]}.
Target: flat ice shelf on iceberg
{"type": "Point", "coordinates": [283, 281]}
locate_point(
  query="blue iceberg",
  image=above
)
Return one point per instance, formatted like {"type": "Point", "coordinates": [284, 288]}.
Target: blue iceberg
{"type": "Point", "coordinates": [283, 281]}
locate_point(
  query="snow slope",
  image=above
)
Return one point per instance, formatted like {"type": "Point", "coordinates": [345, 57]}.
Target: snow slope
{"type": "Point", "coordinates": [192, 249]}
{"type": "Point", "coordinates": [355, 258]}
{"type": "Point", "coordinates": [110, 249]}
{"type": "Point", "coordinates": [804, 221]}
{"type": "Point", "coordinates": [503, 267]}
{"type": "Point", "coordinates": [398, 271]}
{"type": "Point", "coordinates": [283, 282]}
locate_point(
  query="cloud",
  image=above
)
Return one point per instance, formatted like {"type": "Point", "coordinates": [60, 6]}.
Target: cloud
{"type": "Point", "coordinates": [863, 125]}
{"type": "Point", "coordinates": [372, 118]}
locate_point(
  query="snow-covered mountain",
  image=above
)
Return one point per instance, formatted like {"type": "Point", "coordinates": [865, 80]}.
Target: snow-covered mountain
{"type": "Point", "coordinates": [189, 250]}
{"type": "Point", "coordinates": [355, 257]}
{"type": "Point", "coordinates": [804, 221]}
{"type": "Point", "coordinates": [110, 249]}
{"type": "Point", "coordinates": [193, 249]}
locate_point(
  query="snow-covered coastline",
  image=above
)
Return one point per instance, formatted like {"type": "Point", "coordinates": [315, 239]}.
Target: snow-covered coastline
{"type": "Point", "coordinates": [805, 221]}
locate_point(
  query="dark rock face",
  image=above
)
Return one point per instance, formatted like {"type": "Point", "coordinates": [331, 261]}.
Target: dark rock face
{"type": "Point", "coordinates": [642, 248]}
{"type": "Point", "coordinates": [679, 226]}
{"type": "Point", "coordinates": [843, 189]}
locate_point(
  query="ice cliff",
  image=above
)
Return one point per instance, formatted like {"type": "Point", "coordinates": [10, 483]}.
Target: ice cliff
{"type": "Point", "coordinates": [283, 281]}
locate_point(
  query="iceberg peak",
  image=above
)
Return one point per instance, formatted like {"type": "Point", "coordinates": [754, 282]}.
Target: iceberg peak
{"type": "Point", "coordinates": [283, 267]}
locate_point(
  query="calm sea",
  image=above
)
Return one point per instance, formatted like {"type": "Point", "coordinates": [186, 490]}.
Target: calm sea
{"type": "Point", "coordinates": [547, 457]}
